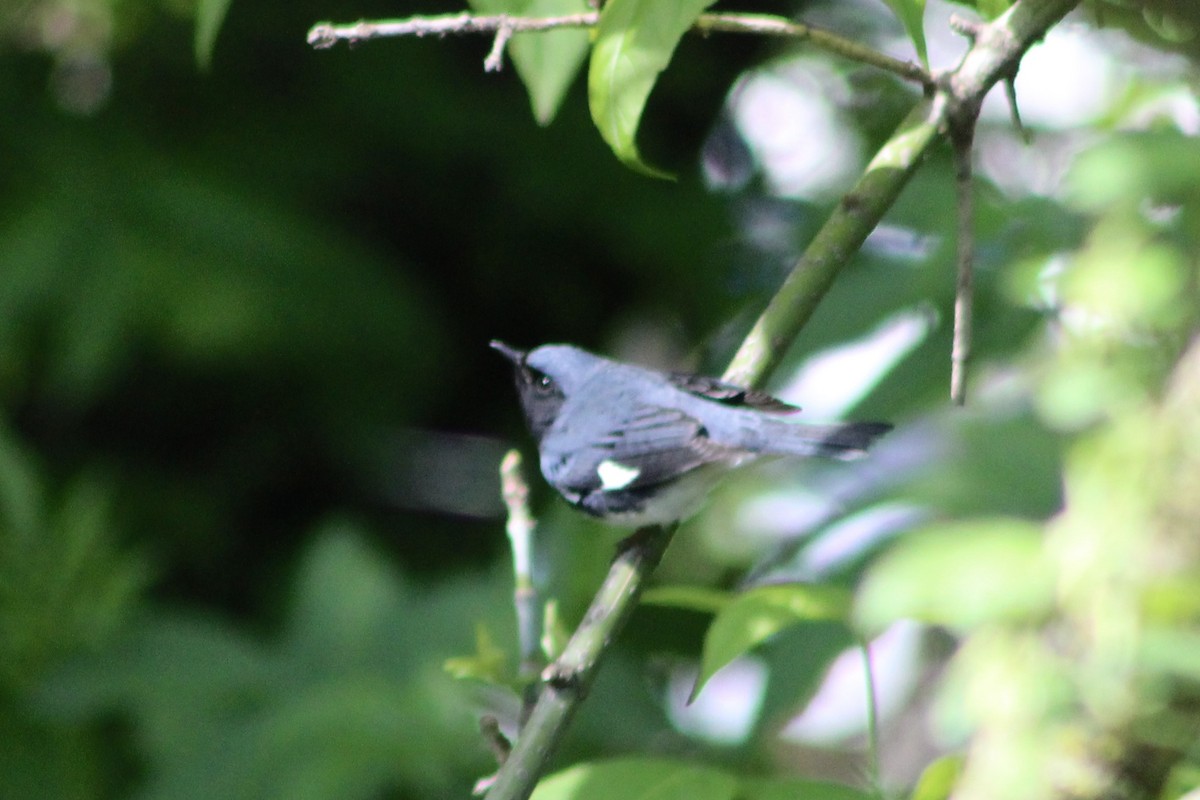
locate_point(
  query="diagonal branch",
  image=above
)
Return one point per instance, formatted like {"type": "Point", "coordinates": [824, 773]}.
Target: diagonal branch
{"type": "Point", "coordinates": [998, 48]}
{"type": "Point", "coordinates": [567, 680]}
{"type": "Point", "coordinates": [994, 56]}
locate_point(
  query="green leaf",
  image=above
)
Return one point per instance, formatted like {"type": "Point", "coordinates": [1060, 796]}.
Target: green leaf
{"type": "Point", "coordinates": [1177, 28]}
{"type": "Point", "coordinates": [1166, 651]}
{"type": "Point", "coordinates": [634, 43]}
{"type": "Point", "coordinates": [911, 14]}
{"type": "Point", "coordinates": [49, 763]}
{"type": "Point", "coordinates": [486, 664]}
{"type": "Point", "coordinates": [798, 789]}
{"type": "Point", "coordinates": [990, 9]}
{"type": "Point", "coordinates": [209, 16]}
{"type": "Point", "coordinates": [169, 672]}
{"type": "Point", "coordinates": [960, 575]}
{"type": "Point", "coordinates": [546, 61]}
{"type": "Point", "coordinates": [344, 705]}
{"type": "Point", "coordinates": [691, 598]}
{"type": "Point", "coordinates": [555, 633]}
{"type": "Point", "coordinates": [21, 495]}
{"type": "Point", "coordinates": [761, 613]}
{"type": "Point", "coordinates": [1183, 778]}
{"type": "Point", "coordinates": [223, 282]}
{"type": "Point", "coordinates": [637, 779]}
{"type": "Point", "coordinates": [346, 600]}
{"type": "Point", "coordinates": [1111, 174]}
{"type": "Point", "coordinates": [64, 585]}
{"type": "Point", "coordinates": [548, 64]}
{"type": "Point", "coordinates": [938, 779]}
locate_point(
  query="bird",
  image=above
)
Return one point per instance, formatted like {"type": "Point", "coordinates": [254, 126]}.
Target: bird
{"type": "Point", "coordinates": [635, 446]}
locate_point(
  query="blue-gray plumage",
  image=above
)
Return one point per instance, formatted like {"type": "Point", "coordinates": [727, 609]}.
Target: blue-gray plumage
{"type": "Point", "coordinates": [635, 446]}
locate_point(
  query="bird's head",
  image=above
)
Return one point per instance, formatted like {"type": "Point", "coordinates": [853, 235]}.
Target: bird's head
{"type": "Point", "coordinates": [543, 377]}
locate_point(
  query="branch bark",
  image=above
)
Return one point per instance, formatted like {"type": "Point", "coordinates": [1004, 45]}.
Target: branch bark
{"type": "Point", "coordinates": [997, 50]}
{"type": "Point", "coordinates": [962, 137]}
{"type": "Point", "coordinates": [325, 35]}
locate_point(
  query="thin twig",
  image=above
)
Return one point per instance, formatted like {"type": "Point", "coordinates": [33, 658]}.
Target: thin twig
{"type": "Point", "coordinates": [962, 135]}
{"type": "Point", "coordinates": [962, 115]}
{"type": "Point", "coordinates": [325, 35]}
{"type": "Point", "coordinates": [496, 741]}
{"type": "Point", "coordinates": [495, 59]}
{"type": "Point", "coordinates": [968, 28]}
{"type": "Point", "coordinates": [770, 25]}
{"type": "Point", "coordinates": [872, 718]}
{"type": "Point", "coordinates": [1010, 91]}
{"type": "Point", "coordinates": [528, 604]}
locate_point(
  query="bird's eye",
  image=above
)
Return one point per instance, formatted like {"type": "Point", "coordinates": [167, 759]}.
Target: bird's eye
{"type": "Point", "coordinates": [538, 382]}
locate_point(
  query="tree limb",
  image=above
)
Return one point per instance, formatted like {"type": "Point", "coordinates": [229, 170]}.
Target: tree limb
{"type": "Point", "coordinates": [997, 49]}
{"type": "Point", "coordinates": [568, 679]}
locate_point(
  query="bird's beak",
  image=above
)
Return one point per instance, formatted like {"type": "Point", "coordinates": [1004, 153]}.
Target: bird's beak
{"type": "Point", "coordinates": [517, 357]}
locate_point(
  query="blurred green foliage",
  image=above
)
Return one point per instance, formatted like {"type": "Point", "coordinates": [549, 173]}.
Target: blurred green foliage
{"type": "Point", "coordinates": [229, 297]}
{"type": "Point", "coordinates": [644, 778]}
{"type": "Point", "coordinates": [64, 584]}
{"type": "Point", "coordinates": [339, 704]}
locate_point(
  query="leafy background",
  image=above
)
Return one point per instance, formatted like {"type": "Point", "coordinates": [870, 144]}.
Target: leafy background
{"type": "Point", "coordinates": [250, 424]}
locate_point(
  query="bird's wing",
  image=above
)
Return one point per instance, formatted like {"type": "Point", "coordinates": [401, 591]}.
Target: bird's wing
{"type": "Point", "coordinates": [729, 394]}
{"type": "Point", "coordinates": [651, 446]}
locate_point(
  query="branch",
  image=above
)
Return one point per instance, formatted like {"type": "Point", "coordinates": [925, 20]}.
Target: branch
{"type": "Point", "coordinates": [570, 677]}
{"type": "Point", "coordinates": [770, 25]}
{"type": "Point", "coordinates": [495, 58]}
{"type": "Point", "coordinates": [325, 35]}
{"type": "Point", "coordinates": [997, 50]}
{"type": "Point", "coordinates": [528, 604]}
{"type": "Point", "coordinates": [962, 136]}
{"type": "Point", "coordinates": [840, 237]}
{"type": "Point", "coordinates": [999, 47]}
{"type": "Point", "coordinates": [962, 118]}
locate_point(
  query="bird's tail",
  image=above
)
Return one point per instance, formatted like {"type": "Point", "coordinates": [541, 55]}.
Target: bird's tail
{"type": "Point", "coordinates": [845, 442]}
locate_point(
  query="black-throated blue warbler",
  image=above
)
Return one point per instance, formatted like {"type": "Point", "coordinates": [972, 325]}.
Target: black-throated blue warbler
{"type": "Point", "coordinates": [634, 446]}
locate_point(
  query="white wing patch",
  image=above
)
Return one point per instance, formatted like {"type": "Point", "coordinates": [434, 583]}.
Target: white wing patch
{"type": "Point", "coordinates": [614, 476]}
